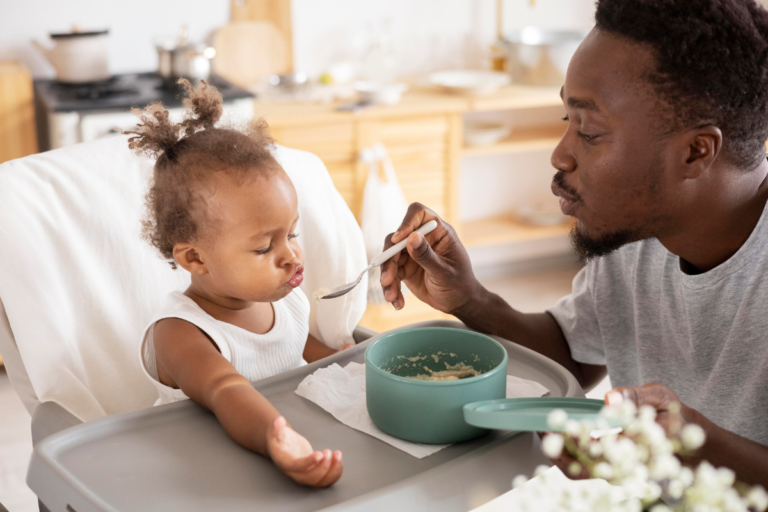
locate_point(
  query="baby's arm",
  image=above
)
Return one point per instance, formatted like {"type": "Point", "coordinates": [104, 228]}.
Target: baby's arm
{"type": "Point", "coordinates": [190, 360]}
{"type": "Point", "coordinates": [315, 349]}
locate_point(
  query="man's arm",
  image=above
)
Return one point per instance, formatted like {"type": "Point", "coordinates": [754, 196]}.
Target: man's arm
{"type": "Point", "coordinates": [748, 459]}
{"type": "Point", "coordinates": [489, 313]}
{"type": "Point", "coordinates": [436, 268]}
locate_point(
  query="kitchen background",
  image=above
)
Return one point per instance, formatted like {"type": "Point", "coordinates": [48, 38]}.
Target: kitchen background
{"type": "Point", "coordinates": [496, 194]}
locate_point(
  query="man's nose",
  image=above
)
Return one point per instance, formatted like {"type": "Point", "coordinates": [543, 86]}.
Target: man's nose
{"type": "Point", "coordinates": [562, 158]}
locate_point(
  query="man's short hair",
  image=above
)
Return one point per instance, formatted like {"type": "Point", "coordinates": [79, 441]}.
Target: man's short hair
{"type": "Point", "coordinates": [711, 64]}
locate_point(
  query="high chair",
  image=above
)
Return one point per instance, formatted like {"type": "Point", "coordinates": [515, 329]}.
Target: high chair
{"type": "Point", "coordinates": [78, 284]}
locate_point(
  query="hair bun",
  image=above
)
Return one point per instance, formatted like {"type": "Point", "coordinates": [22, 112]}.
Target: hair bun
{"type": "Point", "coordinates": [156, 133]}
{"type": "Point", "coordinates": [203, 105]}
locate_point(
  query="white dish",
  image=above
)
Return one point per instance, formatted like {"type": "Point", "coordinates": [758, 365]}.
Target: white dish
{"type": "Point", "coordinates": [484, 133]}
{"type": "Point", "coordinates": [380, 92]}
{"type": "Point", "coordinates": [469, 82]}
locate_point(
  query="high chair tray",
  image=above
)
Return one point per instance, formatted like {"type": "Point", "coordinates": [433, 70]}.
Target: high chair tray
{"type": "Point", "coordinates": [177, 457]}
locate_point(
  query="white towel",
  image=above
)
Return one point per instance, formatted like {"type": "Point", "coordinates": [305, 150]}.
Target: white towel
{"type": "Point", "coordinates": [79, 285]}
{"type": "Point", "coordinates": [341, 392]}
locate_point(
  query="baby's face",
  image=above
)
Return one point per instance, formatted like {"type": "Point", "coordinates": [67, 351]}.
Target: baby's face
{"type": "Point", "coordinates": [251, 251]}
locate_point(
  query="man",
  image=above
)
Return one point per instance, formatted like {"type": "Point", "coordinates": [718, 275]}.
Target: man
{"type": "Point", "coordinates": [663, 166]}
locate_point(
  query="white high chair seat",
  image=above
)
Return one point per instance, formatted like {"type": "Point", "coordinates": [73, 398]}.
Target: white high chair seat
{"type": "Point", "coordinates": [78, 284]}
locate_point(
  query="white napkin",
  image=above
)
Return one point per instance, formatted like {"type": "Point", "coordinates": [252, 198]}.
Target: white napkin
{"type": "Point", "coordinates": [341, 392]}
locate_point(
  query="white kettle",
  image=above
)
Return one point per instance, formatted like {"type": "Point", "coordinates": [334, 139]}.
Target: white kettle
{"type": "Point", "coordinates": [78, 56]}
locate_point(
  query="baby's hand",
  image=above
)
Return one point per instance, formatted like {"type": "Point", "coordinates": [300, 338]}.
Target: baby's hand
{"type": "Point", "coordinates": [293, 454]}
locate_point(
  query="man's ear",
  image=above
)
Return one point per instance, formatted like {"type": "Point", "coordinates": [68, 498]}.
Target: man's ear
{"type": "Point", "coordinates": [188, 257]}
{"type": "Point", "coordinates": [703, 147]}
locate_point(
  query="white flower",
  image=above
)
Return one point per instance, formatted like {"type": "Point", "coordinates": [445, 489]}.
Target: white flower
{"type": "Point", "coordinates": [726, 477]}
{"type": "Point", "coordinates": [660, 508]}
{"type": "Point", "coordinates": [664, 467]}
{"type": "Point", "coordinates": [552, 445]}
{"type": "Point", "coordinates": [540, 470]}
{"type": "Point", "coordinates": [647, 413]}
{"type": "Point", "coordinates": [572, 428]}
{"type": "Point", "coordinates": [686, 476]}
{"type": "Point", "coordinates": [758, 498]}
{"type": "Point", "coordinates": [603, 470]}
{"type": "Point", "coordinates": [595, 450]}
{"type": "Point", "coordinates": [519, 481]}
{"type": "Point", "coordinates": [692, 436]}
{"type": "Point", "coordinates": [556, 419]}
{"type": "Point", "coordinates": [675, 489]}
{"type": "Point", "coordinates": [652, 492]}
{"type": "Point", "coordinates": [574, 468]}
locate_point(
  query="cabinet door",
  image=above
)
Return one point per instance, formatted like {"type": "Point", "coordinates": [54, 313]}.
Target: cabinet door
{"type": "Point", "coordinates": [335, 145]}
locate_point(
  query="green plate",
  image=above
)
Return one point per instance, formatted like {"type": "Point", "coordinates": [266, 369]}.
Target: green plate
{"type": "Point", "coordinates": [529, 414]}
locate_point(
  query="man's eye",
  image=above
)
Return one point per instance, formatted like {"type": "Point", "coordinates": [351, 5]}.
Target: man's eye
{"type": "Point", "coordinates": [587, 138]}
{"type": "Point", "coordinates": [264, 251]}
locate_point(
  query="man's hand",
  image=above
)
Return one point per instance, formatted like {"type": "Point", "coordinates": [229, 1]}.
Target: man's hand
{"type": "Point", "coordinates": [293, 454]}
{"type": "Point", "coordinates": [436, 268]}
{"type": "Point", "coordinates": [659, 397]}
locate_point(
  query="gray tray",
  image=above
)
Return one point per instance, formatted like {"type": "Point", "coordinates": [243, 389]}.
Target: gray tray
{"type": "Point", "coordinates": [177, 457]}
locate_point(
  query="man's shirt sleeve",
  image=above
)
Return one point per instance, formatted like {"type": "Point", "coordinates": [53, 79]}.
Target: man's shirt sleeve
{"type": "Point", "coordinates": [577, 316]}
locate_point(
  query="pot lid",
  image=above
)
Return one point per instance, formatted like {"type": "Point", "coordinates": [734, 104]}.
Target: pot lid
{"type": "Point", "coordinates": [529, 414]}
{"type": "Point", "coordinates": [68, 35]}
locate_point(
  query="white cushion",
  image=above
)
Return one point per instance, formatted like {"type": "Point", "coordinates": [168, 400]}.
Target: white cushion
{"type": "Point", "coordinates": [79, 285]}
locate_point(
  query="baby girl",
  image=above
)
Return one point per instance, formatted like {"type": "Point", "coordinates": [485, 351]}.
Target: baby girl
{"type": "Point", "coordinates": [222, 208]}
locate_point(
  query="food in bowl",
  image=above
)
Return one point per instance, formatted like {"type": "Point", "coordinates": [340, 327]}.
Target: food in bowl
{"type": "Point", "coordinates": [431, 411]}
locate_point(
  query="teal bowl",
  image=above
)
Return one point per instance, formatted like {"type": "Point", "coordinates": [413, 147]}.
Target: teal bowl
{"type": "Point", "coordinates": [431, 411]}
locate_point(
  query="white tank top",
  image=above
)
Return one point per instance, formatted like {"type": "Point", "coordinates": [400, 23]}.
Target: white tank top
{"type": "Point", "coordinates": [254, 356]}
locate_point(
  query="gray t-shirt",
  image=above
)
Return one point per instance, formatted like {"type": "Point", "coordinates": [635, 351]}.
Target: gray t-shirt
{"type": "Point", "coordinates": [704, 336]}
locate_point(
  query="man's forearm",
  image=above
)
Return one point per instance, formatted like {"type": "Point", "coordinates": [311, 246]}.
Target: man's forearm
{"type": "Point", "coordinates": [489, 313]}
{"type": "Point", "coordinates": [748, 459]}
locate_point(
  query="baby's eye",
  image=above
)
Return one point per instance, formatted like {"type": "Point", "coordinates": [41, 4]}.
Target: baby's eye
{"type": "Point", "coordinates": [566, 118]}
{"type": "Point", "coordinates": [293, 235]}
{"type": "Point", "coordinates": [264, 251]}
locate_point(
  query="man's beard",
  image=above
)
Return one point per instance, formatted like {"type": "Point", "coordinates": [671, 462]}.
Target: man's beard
{"type": "Point", "coordinates": [590, 248]}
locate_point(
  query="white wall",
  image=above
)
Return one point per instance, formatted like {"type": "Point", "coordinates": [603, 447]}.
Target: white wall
{"type": "Point", "coordinates": [132, 25]}
{"type": "Point", "coordinates": [427, 34]}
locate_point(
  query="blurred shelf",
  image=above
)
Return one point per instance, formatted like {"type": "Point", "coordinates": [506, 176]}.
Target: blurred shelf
{"type": "Point", "coordinates": [532, 138]}
{"type": "Point", "coordinates": [383, 317]}
{"type": "Point", "coordinates": [507, 229]}
{"type": "Point", "coordinates": [513, 97]}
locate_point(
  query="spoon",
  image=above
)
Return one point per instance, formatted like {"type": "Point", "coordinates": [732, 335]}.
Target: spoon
{"type": "Point", "coordinates": [378, 260]}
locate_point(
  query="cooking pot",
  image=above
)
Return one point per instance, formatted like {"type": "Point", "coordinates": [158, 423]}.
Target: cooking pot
{"type": "Point", "coordinates": [538, 56]}
{"type": "Point", "coordinates": [78, 56]}
{"type": "Point", "coordinates": [177, 58]}
{"type": "Point", "coordinates": [425, 411]}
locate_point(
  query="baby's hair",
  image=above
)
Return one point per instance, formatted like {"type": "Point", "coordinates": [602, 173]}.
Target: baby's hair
{"type": "Point", "coordinates": [188, 154]}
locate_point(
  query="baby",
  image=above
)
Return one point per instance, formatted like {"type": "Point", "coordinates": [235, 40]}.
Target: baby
{"type": "Point", "coordinates": [222, 208]}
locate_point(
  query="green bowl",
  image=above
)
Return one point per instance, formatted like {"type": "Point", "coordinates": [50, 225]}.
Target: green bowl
{"type": "Point", "coordinates": [431, 411]}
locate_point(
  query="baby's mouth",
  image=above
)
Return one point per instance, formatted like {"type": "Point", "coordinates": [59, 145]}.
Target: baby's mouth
{"type": "Point", "coordinates": [298, 277]}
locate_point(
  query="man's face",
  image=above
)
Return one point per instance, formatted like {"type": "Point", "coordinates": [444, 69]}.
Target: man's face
{"type": "Point", "coordinates": [612, 168]}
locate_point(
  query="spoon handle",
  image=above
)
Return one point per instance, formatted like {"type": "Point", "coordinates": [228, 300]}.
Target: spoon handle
{"type": "Point", "coordinates": [399, 246]}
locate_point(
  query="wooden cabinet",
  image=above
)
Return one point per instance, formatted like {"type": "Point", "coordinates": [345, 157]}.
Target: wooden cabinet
{"type": "Point", "coordinates": [18, 136]}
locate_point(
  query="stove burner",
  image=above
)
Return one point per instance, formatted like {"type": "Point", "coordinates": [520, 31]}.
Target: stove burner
{"type": "Point", "coordinates": [104, 89]}
{"type": "Point", "coordinates": [122, 92]}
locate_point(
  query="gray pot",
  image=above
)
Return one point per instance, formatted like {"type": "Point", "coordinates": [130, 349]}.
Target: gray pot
{"type": "Point", "coordinates": [187, 60]}
{"type": "Point", "coordinates": [540, 56]}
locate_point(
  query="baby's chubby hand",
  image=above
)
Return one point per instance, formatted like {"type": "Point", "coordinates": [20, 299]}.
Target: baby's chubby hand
{"type": "Point", "coordinates": [293, 454]}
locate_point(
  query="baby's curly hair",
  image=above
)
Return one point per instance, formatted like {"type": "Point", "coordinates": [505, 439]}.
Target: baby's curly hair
{"type": "Point", "coordinates": [188, 154]}
{"type": "Point", "coordinates": [711, 64]}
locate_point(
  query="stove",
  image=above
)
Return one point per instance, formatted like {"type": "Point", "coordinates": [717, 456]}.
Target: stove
{"type": "Point", "coordinates": [72, 113]}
